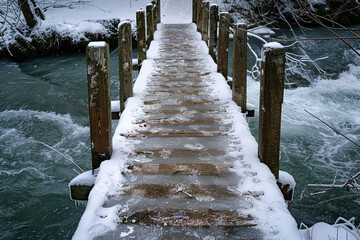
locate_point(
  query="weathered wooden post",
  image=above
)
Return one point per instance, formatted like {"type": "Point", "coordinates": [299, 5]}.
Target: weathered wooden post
{"type": "Point", "coordinates": [271, 99]}
{"type": "Point", "coordinates": [98, 76]}
{"type": "Point", "coordinates": [214, 18]}
{"type": "Point", "coordinates": [239, 66]}
{"type": "Point", "coordinates": [158, 11]}
{"type": "Point", "coordinates": [140, 33]}
{"type": "Point", "coordinates": [125, 63]}
{"type": "Point", "coordinates": [149, 24]}
{"type": "Point", "coordinates": [205, 22]}
{"type": "Point", "coordinates": [198, 15]}
{"type": "Point", "coordinates": [223, 47]}
{"type": "Point", "coordinates": [154, 14]}
{"type": "Point", "coordinates": [194, 11]}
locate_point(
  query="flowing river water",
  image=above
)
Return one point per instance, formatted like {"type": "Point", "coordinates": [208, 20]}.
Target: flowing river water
{"type": "Point", "coordinates": [44, 100]}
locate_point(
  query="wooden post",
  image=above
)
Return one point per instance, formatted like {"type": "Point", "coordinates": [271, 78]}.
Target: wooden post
{"type": "Point", "coordinates": [198, 15]}
{"type": "Point", "coordinates": [205, 22]}
{"type": "Point", "coordinates": [125, 63]}
{"type": "Point", "coordinates": [149, 24]}
{"type": "Point", "coordinates": [194, 11]}
{"type": "Point", "coordinates": [158, 11]}
{"type": "Point", "coordinates": [239, 66]}
{"type": "Point", "coordinates": [223, 48]}
{"type": "Point", "coordinates": [214, 18]}
{"type": "Point", "coordinates": [141, 39]}
{"type": "Point", "coordinates": [154, 14]}
{"type": "Point", "coordinates": [271, 99]}
{"type": "Point", "coordinates": [98, 76]}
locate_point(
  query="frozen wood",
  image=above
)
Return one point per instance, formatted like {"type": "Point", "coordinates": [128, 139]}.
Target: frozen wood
{"type": "Point", "coordinates": [239, 66]}
{"type": "Point", "coordinates": [194, 10]}
{"type": "Point", "coordinates": [149, 24]}
{"type": "Point", "coordinates": [125, 63]}
{"type": "Point", "coordinates": [271, 99]}
{"type": "Point", "coordinates": [223, 47]}
{"type": "Point", "coordinates": [98, 76]}
{"type": "Point", "coordinates": [205, 22]}
{"type": "Point", "coordinates": [141, 39]}
{"type": "Point", "coordinates": [214, 19]}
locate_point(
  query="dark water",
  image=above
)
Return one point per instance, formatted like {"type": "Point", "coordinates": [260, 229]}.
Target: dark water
{"type": "Point", "coordinates": [311, 151]}
{"type": "Point", "coordinates": [46, 100]}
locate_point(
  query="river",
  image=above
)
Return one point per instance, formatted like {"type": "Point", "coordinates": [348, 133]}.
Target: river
{"type": "Point", "coordinates": [45, 100]}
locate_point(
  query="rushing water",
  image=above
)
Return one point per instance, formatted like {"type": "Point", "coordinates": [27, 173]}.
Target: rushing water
{"type": "Point", "coordinates": [45, 100]}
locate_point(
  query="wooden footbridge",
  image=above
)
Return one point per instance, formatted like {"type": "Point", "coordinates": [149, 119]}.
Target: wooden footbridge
{"type": "Point", "coordinates": [182, 162]}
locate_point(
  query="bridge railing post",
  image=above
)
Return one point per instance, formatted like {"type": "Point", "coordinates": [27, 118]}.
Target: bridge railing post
{"type": "Point", "coordinates": [198, 15]}
{"type": "Point", "coordinates": [194, 11]}
{"type": "Point", "coordinates": [149, 24]}
{"type": "Point", "coordinates": [205, 22]}
{"type": "Point", "coordinates": [214, 18]}
{"type": "Point", "coordinates": [159, 11]}
{"type": "Point", "coordinates": [140, 35]}
{"type": "Point", "coordinates": [223, 46]}
{"type": "Point", "coordinates": [239, 66]}
{"type": "Point", "coordinates": [154, 14]}
{"type": "Point", "coordinates": [98, 76]}
{"type": "Point", "coordinates": [125, 63]}
{"type": "Point", "coordinates": [271, 99]}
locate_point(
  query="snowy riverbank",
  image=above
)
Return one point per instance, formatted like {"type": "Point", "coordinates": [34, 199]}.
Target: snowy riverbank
{"type": "Point", "coordinates": [68, 26]}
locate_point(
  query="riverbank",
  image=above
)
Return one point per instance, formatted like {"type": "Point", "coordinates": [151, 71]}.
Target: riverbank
{"type": "Point", "coordinates": [70, 25]}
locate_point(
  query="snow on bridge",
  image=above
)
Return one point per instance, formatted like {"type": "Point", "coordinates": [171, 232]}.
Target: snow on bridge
{"type": "Point", "coordinates": [184, 163]}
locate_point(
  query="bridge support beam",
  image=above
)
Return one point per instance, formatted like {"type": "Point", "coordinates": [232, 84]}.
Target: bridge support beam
{"type": "Point", "coordinates": [223, 48]}
{"type": "Point", "coordinates": [125, 63]}
{"type": "Point", "coordinates": [271, 99]}
{"type": "Point", "coordinates": [98, 76]}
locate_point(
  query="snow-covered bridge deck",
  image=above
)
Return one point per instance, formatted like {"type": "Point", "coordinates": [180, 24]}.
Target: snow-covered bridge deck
{"type": "Point", "coordinates": [185, 164]}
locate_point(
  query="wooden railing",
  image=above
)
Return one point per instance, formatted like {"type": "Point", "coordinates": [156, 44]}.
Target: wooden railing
{"type": "Point", "coordinates": [98, 75]}
{"type": "Point", "coordinates": [271, 74]}
{"type": "Point", "coordinates": [207, 18]}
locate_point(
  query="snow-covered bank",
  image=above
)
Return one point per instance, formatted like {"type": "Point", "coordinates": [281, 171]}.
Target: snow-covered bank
{"type": "Point", "coordinates": [68, 26]}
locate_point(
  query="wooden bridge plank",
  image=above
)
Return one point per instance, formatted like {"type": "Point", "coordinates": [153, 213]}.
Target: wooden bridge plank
{"type": "Point", "coordinates": [198, 218]}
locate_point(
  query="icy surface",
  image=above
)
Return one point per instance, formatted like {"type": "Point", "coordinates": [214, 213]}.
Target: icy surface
{"type": "Point", "coordinates": [176, 11]}
{"type": "Point", "coordinates": [286, 178]}
{"type": "Point", "coordinates": [83, 179]}
{"type": "Point", "coordinates": [273, 45]}
{"type": "Point", "coordinates": [240, 147]}
{"type": "Point", "coordinates": [97, 44]}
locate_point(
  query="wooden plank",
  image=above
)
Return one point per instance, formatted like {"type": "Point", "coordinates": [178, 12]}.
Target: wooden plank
{"type": "Point", "coordinates": [180, 168]}
{"type": "Point", "coordinates": [181, 133]}
{"type": "Point", "coordinates": [98, 76]}
{"type": "Point", "coordinates": [188, 218]}
{"type": "Point", "coordinates": [180, 152]}
{"type": "Point", "coordinates": [80, 192]}
{"type": "Point", "coordinates": [179, 190]}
